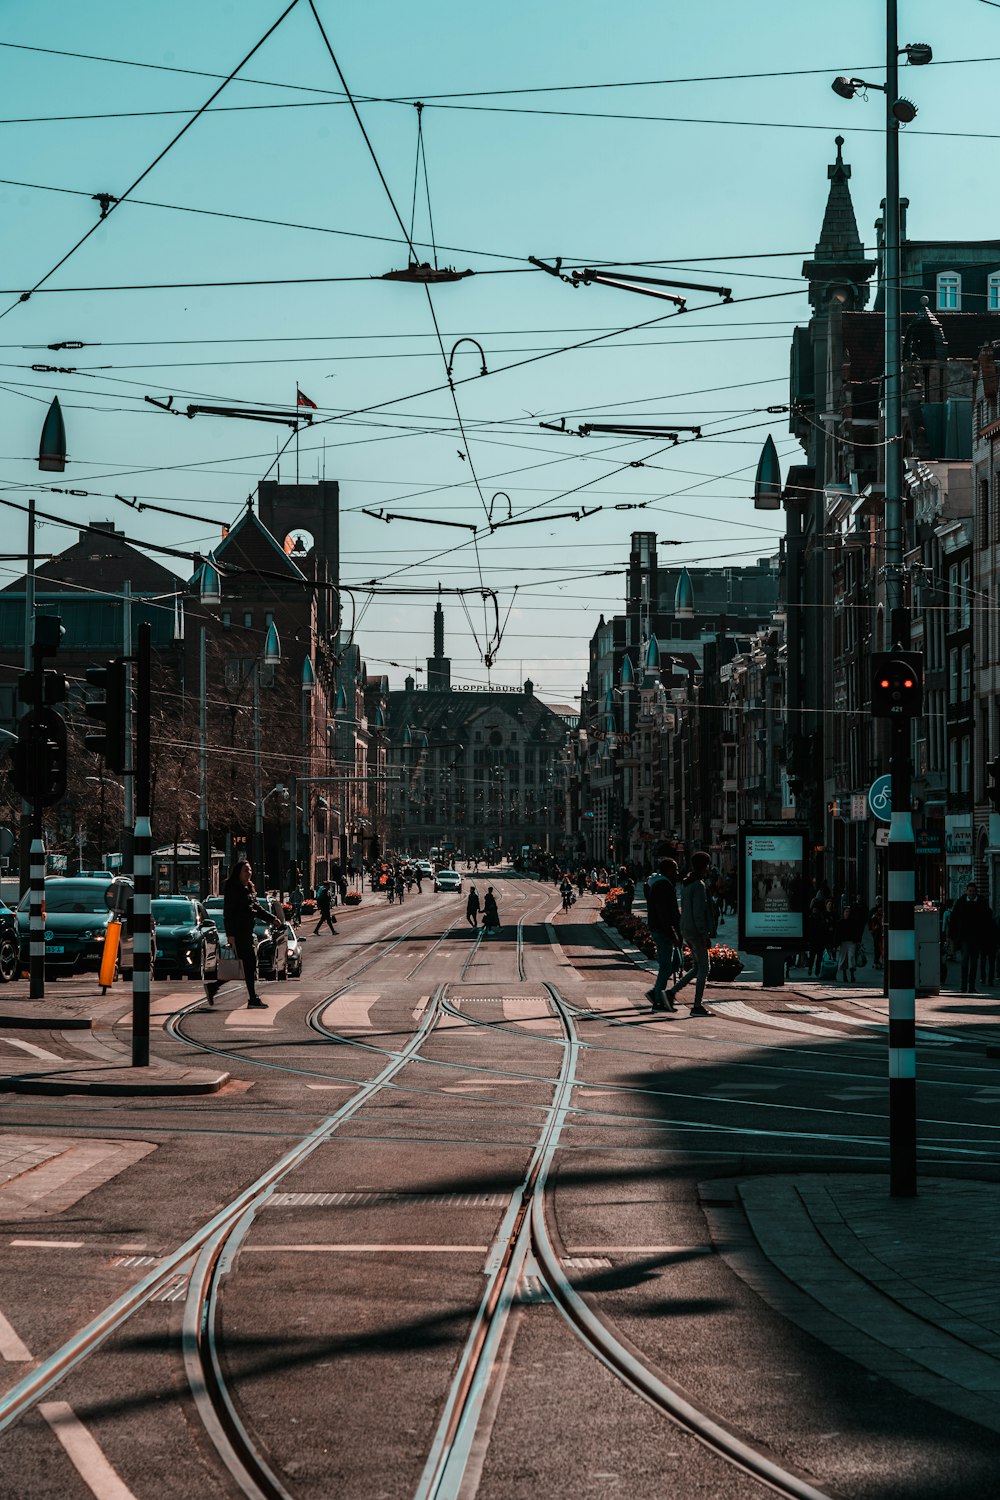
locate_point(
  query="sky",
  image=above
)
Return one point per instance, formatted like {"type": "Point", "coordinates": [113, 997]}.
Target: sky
{"type": "Point", "coordinates": [620, 136]}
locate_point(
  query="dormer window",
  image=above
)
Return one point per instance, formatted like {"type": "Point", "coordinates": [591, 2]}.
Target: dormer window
{"type": "Point", "coordinates": [949, 291]}
{"type": "Point", "coordinates": [993, 292]}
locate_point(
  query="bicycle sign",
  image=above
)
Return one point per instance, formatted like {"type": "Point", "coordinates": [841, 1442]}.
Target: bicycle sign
{"type": "Point", "coordinates": [880, 798]}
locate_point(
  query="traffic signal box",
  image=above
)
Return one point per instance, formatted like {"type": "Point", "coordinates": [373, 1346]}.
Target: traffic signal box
{"type": "Point", "coordinates": [38, 760]}
{"type": "Point", "coordinates": [897, 684]}
{"type": "Point", "coordinates": [110, 711]}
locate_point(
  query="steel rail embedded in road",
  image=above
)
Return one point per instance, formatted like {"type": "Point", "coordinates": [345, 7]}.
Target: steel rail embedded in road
{"type": "Point", "coordinates": [603, 1342]}
{"type": "Point", "coordinates": [21, 1397]}
{"type": "Point", "coordinates": [451, 1448]}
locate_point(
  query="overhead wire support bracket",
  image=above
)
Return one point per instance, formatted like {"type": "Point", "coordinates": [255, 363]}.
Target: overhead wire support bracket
{"type": "Point", "coordinates": [626, 429]}
{"type": "Point", "coordinates": [248, 413]}
{"type": "Point", "coordinates": [553, 270]}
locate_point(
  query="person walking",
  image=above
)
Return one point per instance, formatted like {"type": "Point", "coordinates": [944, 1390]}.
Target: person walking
{"type": "Point", "coordinates": [969, 931]}
{"type": "Point", "coordinates": [240, 912]}
{"type": "Point", "coordinates": [849, 932]}
{"type": "Point", "coordinates": [296, 898]}
{"type": "Point", "coordinates": [663, 918]}
{"type": "Point", "coordinates": [876, 927]}
{"type": "Point", "coordinates": [698, 925]}
{"type": "Point", "coordinates": [491, 915]}
{"type": "Point", "coordinates": [816, 935]}
{"type": "Point", "coordinates": [472, 907]}
{"type": "Point", "coordinates": [324, 907]}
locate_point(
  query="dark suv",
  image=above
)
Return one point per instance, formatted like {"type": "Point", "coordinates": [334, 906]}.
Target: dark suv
{"type": "Point", "coordinates": [76, 915]}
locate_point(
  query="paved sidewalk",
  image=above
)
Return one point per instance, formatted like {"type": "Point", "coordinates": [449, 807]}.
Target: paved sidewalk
{"type": "Point", "coordinates": [67, 1043]}
{"type": "Point", "coordinates": [907, 1287]}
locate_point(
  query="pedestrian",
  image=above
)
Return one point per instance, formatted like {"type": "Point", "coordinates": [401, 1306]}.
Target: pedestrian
{"type": "Point", "coordinates": [491, 916]}
{"type": "Point", "coordinates": [849, 931]}
{"type": "Point", "coordinates": [698, 924]}
{"type": "Point", "coordinates": [816, 934]}
{"type": "Point", "coordinates": [240, 912]}
{"type": "Point", "coordinates": [472, 907]}
{"type": "Point", "coordinates": [876, 927]}
{"type": "Point", "coordinates": [324, 907]}
{"type": "Point", "coordinates": [419, 878]}
{"type": "Point", "coordinates": [969, 932]}
{"type": "Point", "coordinates": [343, 890]}
{"type": "Point", "coordinates": [663, 918]}
{"type": "Point", "coordinates": [400, 886]}
{"type": "Point", "coordinates": [296, 902]}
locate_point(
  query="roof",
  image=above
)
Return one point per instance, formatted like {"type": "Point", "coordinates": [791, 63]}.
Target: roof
{"type": "Point", "coordinates": [250, 546]}
{"type": "Point", "coordinates": [864, 338]}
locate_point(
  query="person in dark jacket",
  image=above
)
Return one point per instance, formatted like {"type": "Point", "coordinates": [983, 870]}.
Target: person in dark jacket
{"type": "Point", "coordinates": [240, 912]}
{"type": "Point", "coordinates": [324, 905]}
{"type": "Point", "coordinates": [472, 907]}
{"type": "Point", "coordinates": [849, 932]}
{"type": "Point", "coordinates": [491, 916]}
{"type": "Point", "coordinates": [969, 930]}
{"type": "Point", "coordinates": [817, 937]}
{"type": "Point", "coordinates": [663, 918]}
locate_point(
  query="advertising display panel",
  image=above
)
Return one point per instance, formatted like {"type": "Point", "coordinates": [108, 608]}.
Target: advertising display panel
{"type": "Point", "coordinates": [772, 884]}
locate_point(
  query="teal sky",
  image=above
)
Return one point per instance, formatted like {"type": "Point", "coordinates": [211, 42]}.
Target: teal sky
{"type": "Point", "coordinates": [511, 175]}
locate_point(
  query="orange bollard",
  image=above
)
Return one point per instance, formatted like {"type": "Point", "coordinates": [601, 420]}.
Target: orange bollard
{"type": "Point", "coordinates": [109, 957]}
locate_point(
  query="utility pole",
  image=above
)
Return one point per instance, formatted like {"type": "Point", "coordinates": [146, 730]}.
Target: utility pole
{"type": "Point", "coordinates": [901, 955]}
{"type": "Point", "coordinates": [128, 811]}
{"type": "Point", "coordinates": [142, 853]}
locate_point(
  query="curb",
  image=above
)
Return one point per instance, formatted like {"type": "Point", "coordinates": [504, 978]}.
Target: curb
{"type": "Point", "coordinates": [208, 1083]}
{"type": "Point", "coordinates": [12, 1022]}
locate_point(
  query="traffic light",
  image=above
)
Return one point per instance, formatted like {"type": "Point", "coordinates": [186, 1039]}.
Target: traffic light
{"type": "Point", "coordinates": [38, 760]}
{"type": "Point", "coordinates": [54, 688]}
{"type": "Point", "coordinates": [993, 783]}
{"type": "Point", "coordinates": [109, 711]}
{"type": "Point", "coordinates": [897, 684]}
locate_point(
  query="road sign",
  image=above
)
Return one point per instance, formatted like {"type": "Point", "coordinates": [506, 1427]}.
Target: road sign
{"type": "Point", "coordinates": [880, 798]}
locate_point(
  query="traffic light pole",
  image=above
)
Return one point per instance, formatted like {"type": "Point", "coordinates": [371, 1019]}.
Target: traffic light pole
{"type": "Point", "coordinates": [901, 948]}
{"type": "Point", "coordinates": [142, 855]}
{"type": "Point", "coordinates": [36, 871]}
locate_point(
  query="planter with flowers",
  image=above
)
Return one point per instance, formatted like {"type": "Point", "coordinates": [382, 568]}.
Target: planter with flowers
{"type": "Point", "coordinates": [723, 963]}
{"type": "Point", "coordinates": [353, 898]}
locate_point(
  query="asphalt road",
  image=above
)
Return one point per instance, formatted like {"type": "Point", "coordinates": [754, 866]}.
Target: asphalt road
{"type": "Point", "coordinates": [397, 1123]}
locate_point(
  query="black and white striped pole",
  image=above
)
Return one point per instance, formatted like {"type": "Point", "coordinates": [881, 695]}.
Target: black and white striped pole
{"type": "Point", "coordinates": [36, 920]}
{"type": "Point", "coordinates": [897, 694]}
{"type": "Point", "coordinates": [142, 858]}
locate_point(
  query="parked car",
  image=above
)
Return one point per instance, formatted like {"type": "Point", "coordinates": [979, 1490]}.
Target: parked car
{"type": "Point", "coordinates": [76, 915]}
{"type": "Point", "coordinates": [10, 948]}
{"type": "Point", "coordinates": [294, 952]}
{"type": "Point", "coordinates": [448, 880]}
{"type": "Point", "coordinates": [272, 944]}
{"type": "Point", "coordinates": [187, 939]}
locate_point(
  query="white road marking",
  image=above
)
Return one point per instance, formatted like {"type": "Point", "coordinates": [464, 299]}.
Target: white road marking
{"type": "Point", "coordinates": [255, 1020]}
{"type": "Point", "coordinates": [365, 1249]}
{"type": "Point", "coordinates": [492, 1083]}
{"type": "Point", "coordinates": [11, 1348]}
{"type": "Point", "coordinates": [39, 1052]}
{"type": "Point", "coordinates": [49, 1244]}
{"type": "Point", "coordinates": [83, 1453]}
{"type": "Point", "coordinates": [331, 1086]}
{"type": "Point", "coordinates": [744, 1012]}
{"type": "Point", "coordinates": [421, 1007]}
{"type": "Point", "coordinates": [350, 1012]}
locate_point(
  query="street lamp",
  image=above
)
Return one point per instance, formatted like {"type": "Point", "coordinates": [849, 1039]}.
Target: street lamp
{"type": "Point", "coordinates": [270, 658]}
{"type": "Point", "coordinates": [901, 975]}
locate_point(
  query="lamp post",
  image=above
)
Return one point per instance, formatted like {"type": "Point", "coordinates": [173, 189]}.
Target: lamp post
{"type": "Point", "coordinates": [210, 593]}
{"type": "Point", "coordinates": [270, 658]}
{"type": "Point", "coordinates": [901, 861]}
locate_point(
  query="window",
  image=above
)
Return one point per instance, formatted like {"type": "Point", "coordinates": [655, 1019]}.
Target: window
{"type": "Point", "coordinates": [953, 674]}
{"type": "Point", "coordinates": [983, 518]}
{"type": "Point", "coordinates": [965, 600]}
{"type": "Point", "coordinates": [227, 619]}
{"type": "Point", "coordinates": [949, 291]}
{"type": "Point", "coordinates": [996, 506]}
{"type": "Point", "coordinates": [248, 619]}
{"type": "Point", "coordinates": [953, 597]}
{"type": "Point", "coordinates": [993, 292]}
{"type": "Point", "coordinates": [966, 688]}
{"type": "Point", "coordinates": [268, 619]}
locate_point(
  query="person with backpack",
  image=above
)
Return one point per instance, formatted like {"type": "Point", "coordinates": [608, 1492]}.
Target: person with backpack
{"type": "Point", "coordinates": [698, 927]}
{"type": "Point", "coordinates": [324, 906]}
{"type": "Point", "coordinates": [663, 919]}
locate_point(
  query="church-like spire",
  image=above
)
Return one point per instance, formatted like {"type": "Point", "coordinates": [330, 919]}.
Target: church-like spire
{"type": "Point", "coordinates": [839, 258]}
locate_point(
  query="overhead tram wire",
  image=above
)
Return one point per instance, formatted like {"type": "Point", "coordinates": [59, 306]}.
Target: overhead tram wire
{"type": "Point", "coordinates": [154, 163]}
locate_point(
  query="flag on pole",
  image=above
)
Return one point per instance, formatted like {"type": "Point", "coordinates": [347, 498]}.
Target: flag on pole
{"type": "Point", "coordinates": [301, 399]}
